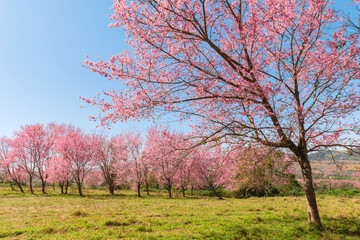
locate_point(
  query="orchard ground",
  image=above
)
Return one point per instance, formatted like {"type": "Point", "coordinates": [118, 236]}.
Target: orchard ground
{"type": "Point", "coordinates": [101, 216]}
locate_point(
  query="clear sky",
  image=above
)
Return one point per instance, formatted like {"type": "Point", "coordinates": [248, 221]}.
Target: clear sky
{"type": "Point", "coordinates": [42, 45]}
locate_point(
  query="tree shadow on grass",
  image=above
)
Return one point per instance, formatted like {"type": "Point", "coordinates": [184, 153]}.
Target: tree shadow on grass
{"type": "Point", "coordinates": [108, 196]}
{"type": "Point", "coordinates": [261, 227]}
{"type": "Point", "coordinates": [342, 225]}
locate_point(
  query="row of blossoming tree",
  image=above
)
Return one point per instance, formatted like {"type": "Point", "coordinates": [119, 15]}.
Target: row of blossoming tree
{"type": "Point", "coordinates": [64, 154]}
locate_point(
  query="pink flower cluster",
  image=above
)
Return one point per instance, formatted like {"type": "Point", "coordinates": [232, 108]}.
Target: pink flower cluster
{"type": "Point", "coordinates": [63, 154]}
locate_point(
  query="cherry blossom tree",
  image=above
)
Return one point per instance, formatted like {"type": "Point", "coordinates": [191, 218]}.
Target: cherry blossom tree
{"type": "Point", "coordinates": [138, 163]}
{"type": "Point", "coordinates": [213, 168]}
{"type": "Point", "coordinates": [10, 169]}
{"type": "Point", "coordinates": [184, 174]}
{"type": "Point", "coordinates": [164, 150]}
{"type": "Point", "coordinates": [107, 155]}
{"type": "Point", "coordinates": [193, 183]}
{"type": "Point", "coordinates": [51, 131]}
{"type": "Point", "coordinates": [123, 174]}
{"type": "Point", "coordinates": [15, 173]}
{"type": "Point", "coordinates": [59, 169]}
{"type": "Point", "coordinates": [275, 72]}
{"type": "Point", "coordinates": [94, 179]}
{"type": "Point", "coordinates": [4, 151]}
{"type": "Point", "coordinates": [31, 147]}
{"type": "Point", "coordinates": [150, 176]}
{"type": "Point", "coordinates": [76, 149]}
{"type": "Point", "coordinates": [60, 172]}
{"type": "Point", "coordinates": [21, 159]}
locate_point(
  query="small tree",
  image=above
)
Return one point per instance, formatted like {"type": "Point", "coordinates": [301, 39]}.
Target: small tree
{"type": "Point", "coordinates": [31, 148]}
{"type": "Point", "coordinates": [107, 155]}
{"type": "Point", "coordinates": [184, 174]}
{"type": "Point", "coordinates": [213, 168]}
{"type": "Point", "coordinates": [94, 178]}
{"type": "Point", "coordinates": [10, 169]}
{"type": "Point", "coordinates": [76, 149]}
{"type": "Point", "coordinates": [60, 172]}
{"type": "Point", "coordinates": [164, 152]}
{"type": "Point", "coordinates": [137, 163]}
{"type": "Point", "coordinates": [260, 168]}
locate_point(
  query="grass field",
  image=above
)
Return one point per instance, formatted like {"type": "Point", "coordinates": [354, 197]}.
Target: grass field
{"type": "Point", "coordinates": [100, 216]}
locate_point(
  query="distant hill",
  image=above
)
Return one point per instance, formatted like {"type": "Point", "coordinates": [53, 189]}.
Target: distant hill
{"type": "Point", "coordinates": [325, 162]}
{"type": "Point", "coordinates": [334, 155]}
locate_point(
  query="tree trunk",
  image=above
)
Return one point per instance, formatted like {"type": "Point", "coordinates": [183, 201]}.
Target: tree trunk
{"type": "Point", "coordinates": [53, 185]}
{"type": "Point", "coordinates": [169, 190]}
{"type": "Point", "coordinates": [11, 185]}
{"type": "Point", "coordinates": [31, 184]}
{"type": "Point", "coordinates": [111, 189]}
{"type": "Point", "coordinates": [270, 187]}
{"type": "Point", "coordinates": [19, 186]}
{"type": "Point", "coordinates": [138, 190]}
{"type": "Point", "coordinates": [216, 193]}
{"type": "Point", "coordinates": [43, 185]}
{"type": "Point", "coordinates": [62, 187]}
{"type": "Point", "coordinates": [312, 209]}
{"type": "Point", "coordinates": [183, 191]}
{"type": "Point", "coordinates": [66, 187]}
{"type": "Point", "coordinates": [192, 190]}
{"type": "Point", "coordinates": [266, 192]}
{"type": "Point", "coordinates": [147, 188]}
{"type": "Point", "coordinates": [246, 193]}
{"type": "Point", "coordinates": [80, 189]}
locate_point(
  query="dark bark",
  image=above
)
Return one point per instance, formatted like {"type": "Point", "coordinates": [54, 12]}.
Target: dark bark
{"type": "Point", "coordinates": [43, 185]}
{"type": "Point", "coordinates": [11, 185]}
{"type": "Point", "coordinates": [19, 186]}
{"type": "Point", "coordinates": [192, 190]}
{"type": "Point", "coordinates": [183, 191]}
{"type": "Point", "coordinates": [66, 187]}
{"type": "Point", "coordinates": [312, 209]}
{"type": "Point", "coordinates": [147, 188]}
{"type": "Point", "coordinates": [53, 185]}
{"type": "Point", "coordinates": [62, 187]}
{"type": "Point", "coordinates": [31, 184]}
{"type": "Point", "coordinates": [215, 192]}
{"type": "Point", "coordinates": [80, 189]}
{"type": "Point", "coordinates": [138, 190]}
{"type": "Point", "coordinates": [111, 189]}
{"type": "Point", "coordinates": [169, 190]}
{"type": "Point", "coordinates": [110, 185]}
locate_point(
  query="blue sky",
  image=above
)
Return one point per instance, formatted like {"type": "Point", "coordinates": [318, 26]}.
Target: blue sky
{"type": "Point", "coordinates": [42, 45]}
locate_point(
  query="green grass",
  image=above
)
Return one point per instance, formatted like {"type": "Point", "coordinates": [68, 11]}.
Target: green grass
{"type": "Point", "coordinates": [100, 216]}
